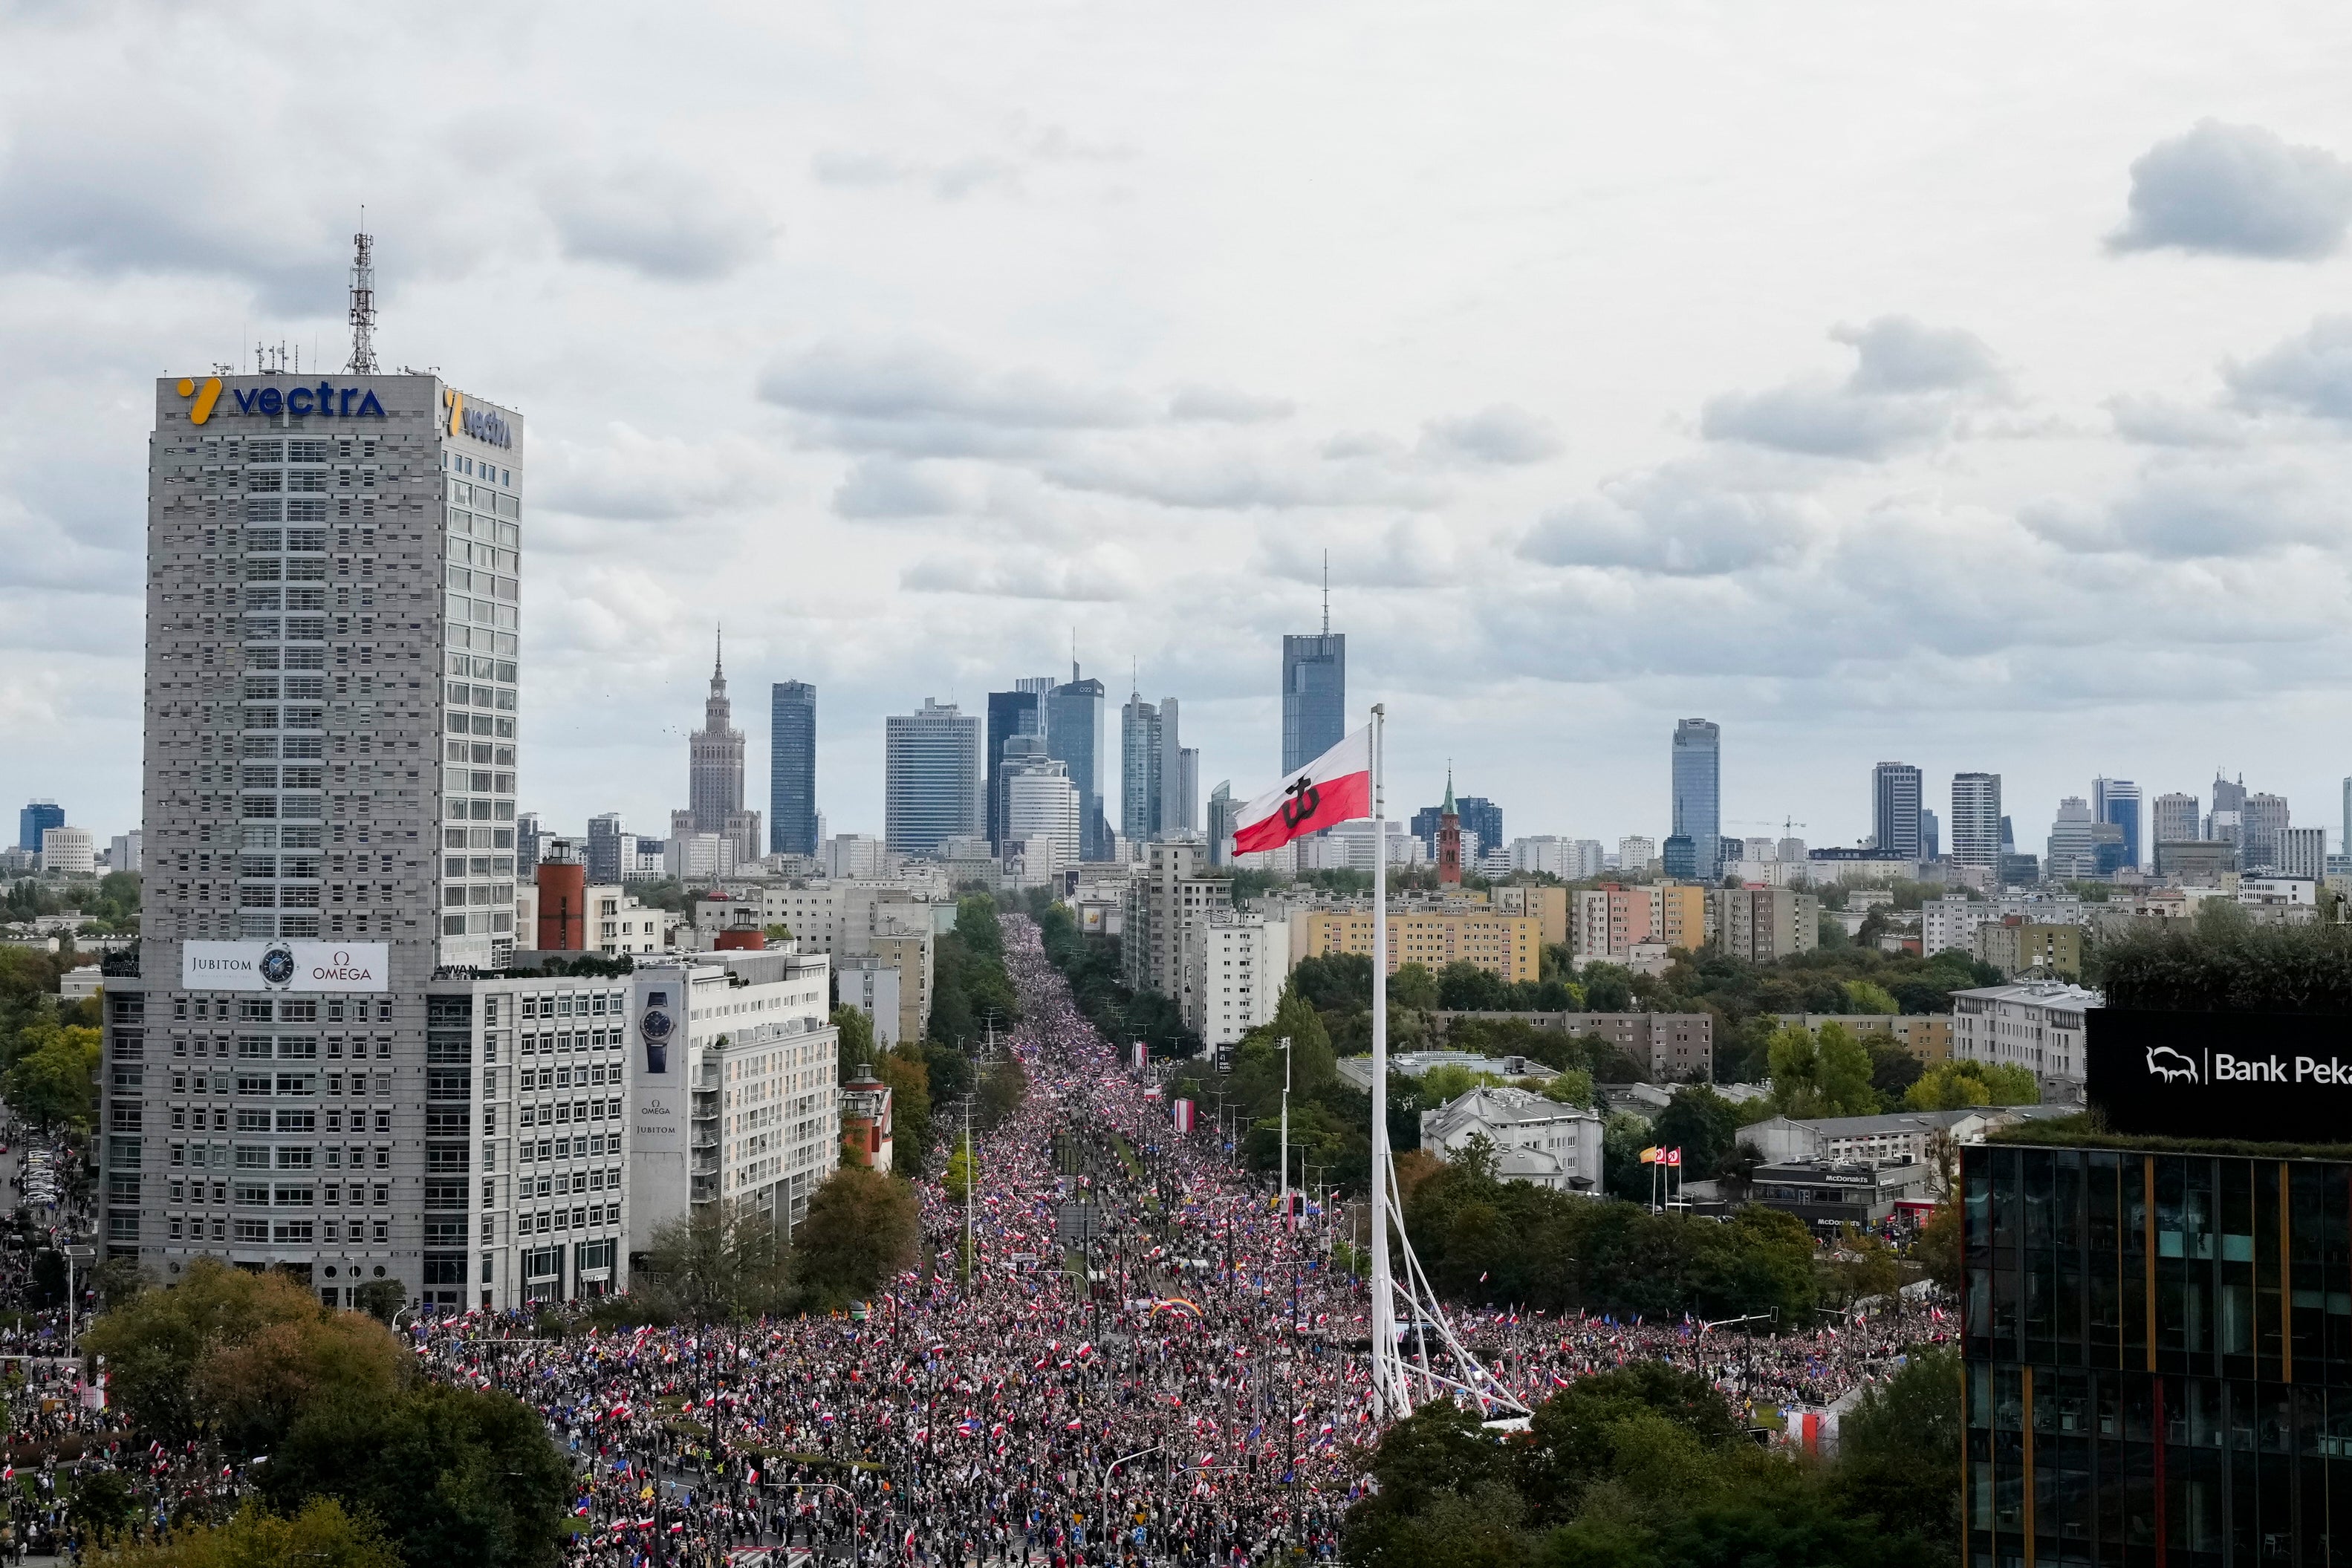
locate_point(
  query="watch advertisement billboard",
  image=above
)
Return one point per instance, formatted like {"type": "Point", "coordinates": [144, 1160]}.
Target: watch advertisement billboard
{"type": "Point", "coordinates": [285, 966]}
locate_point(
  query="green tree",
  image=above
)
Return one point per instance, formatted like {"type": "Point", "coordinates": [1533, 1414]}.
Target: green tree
{"type": "Point", "coordinates": [1867, 997]}
{"type": "Point", "coordinates": [322, 1535]}
{"type": "Point", "coordinates": [1003, 1087]}
{"type": "Point", "coordinates": [957, 1183]}
{"type": "Point", "coordinates": [1412, 986]}
{"type": "Point", "coordinates": [462, 1476]}
{"type": "Point", "coordinates": [1702, 1123]}
{"type": "Point", "coordinates": [155, 1344]}
{"type": "Point", "coordinates": [910, 1078]}
{"type": "Point", "coordinates": [861, 1229]}
{"type": "Point", "coordinates": [718, 1264]}
{"type": "Point", "coordinates": [1956, 1085]}
{"type": "Point", "coordinates": [1573, 1087]}
{"type": "Point", "coordinates": [1824, 1073]}
{"type": "Point", "coordinates": [1899, 1458]}
{"type": "Point", "coordinates": [856, 1048]}
{"type": "Point", "coordinates": [56, 1080]}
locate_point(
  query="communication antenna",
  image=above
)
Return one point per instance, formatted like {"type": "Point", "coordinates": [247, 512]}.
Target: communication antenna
{"type": "Point", "coordinates": [1327, 594]}
{"type": "Point", "coordinates": [363, 300]}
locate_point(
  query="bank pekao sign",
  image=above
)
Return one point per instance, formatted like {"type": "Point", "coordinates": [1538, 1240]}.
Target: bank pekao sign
{"type": "Point", "coordinates": [285, 966]}
{"type": "Point", "coordinates": [2262, 1076]}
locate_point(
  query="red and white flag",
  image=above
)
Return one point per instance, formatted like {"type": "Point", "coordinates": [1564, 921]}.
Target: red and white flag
{"type": "Point", "coordinates": [1335, 788]}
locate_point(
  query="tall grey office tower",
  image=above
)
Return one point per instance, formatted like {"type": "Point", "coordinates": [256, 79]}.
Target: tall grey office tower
{"type": "Point", "coordinates": [1894, 810]}
{"type": "Point", "coordinates": [1698, 793]}
{"type": "Point", "coordinates": [2117, 800]}
{"type": "Point", "coordinates": [609, 849]}
{"type": "Point", "coordinates": [1021, 711]}
{"type": "Point", "coordinates": [1151, 769]}
{"type": "Point", "coordinates": [329, 810]}
{"type": "Point", "coordinates": [1074, 734]}
{"type": "Point", "coordinates": [792, 769]}
{"type": "Point", "coordinates": [930, 777]}
{"type": "Point", "coordinates": [2172, 820]}
{"type": "Point", "coordinates": [1931, 837]}
{"type": "Point", "coordinates": [1976, 819]}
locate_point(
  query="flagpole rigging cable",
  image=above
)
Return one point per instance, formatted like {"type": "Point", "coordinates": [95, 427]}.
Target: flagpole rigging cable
{"type": "Point", "coordinates": [1390, 1398]}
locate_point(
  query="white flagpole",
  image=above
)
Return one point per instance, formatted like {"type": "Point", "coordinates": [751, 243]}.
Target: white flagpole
{"type": "Point", "coordinates": [1285, 1134]}
{"type": "Point", "coordinates": [1388, 1390]}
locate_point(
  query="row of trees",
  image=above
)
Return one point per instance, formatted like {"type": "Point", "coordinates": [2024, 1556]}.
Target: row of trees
{"type": "Point", "coordinates": [252, 1361]}
{"type": "Point", "coordinates": [48, 1047]}
{"type": "Point", "coordinates": [109, 906]}
{"type": "Point", "coordinates": [1648, 1468]}
{"type": "Point", "coordinates": [1091, 965]}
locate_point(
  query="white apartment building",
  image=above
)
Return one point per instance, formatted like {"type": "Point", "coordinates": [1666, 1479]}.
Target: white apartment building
{"type": "Point", "coordinates": [855, 855]}
{"type": "Point", "coordinates": [839, 919]}
{"type": "Point", "coordinates": [1536, 1140]}
{"type": "Point", "coordinates": [870, 985]}
{"type": "Point", "coordinates": [73, 851]}
{"type": "Point", "coordinates": [1239, 963]}
{"type": "Point", "coordinates": [733, 1090]}
{"type": "Point", "coordinates": [2037, 1025]}
{"type": "Point", "coordinates": [1952, 920]}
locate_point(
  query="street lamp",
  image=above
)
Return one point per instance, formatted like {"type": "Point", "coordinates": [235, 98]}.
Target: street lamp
{"type": "Point", "coordinates": [74, 1254]}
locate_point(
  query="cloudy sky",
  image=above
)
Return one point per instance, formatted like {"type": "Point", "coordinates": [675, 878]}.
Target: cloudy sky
{"type": "Point", "coordinates": [1967, 385]}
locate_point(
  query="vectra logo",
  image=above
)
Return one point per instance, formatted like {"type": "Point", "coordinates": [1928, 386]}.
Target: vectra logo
{"type": "Point", "coordinates": [483, 424]}
{"type": "Point", "coordinates": [206, 393]}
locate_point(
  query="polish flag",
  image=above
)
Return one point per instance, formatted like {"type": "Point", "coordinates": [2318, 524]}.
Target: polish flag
{"type": "Point", "coordinates": [1335, 788]}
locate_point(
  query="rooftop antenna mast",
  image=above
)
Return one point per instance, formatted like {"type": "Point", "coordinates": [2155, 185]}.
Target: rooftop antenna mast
{"type": "Point", "coordinates": [363, 300]}
{"type": "Point", "coordinates": [1327, 594]}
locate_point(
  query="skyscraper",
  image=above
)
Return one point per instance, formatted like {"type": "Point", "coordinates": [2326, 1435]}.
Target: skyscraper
{"type": "Point", "coordinates": [329, 811]}
{"type": "Point", "coordinates": [1698, 793]}
{"type": "Point", "coordinates": [2263, 839]}
{"type": "Point", "coordinates": [39, 816]}
{"type": "Point", "coordinates": [1021, 711]}
{"type": "Point", "coordinates": [2229, 797]}
{"type": "Point", "coordinates": [792, 769]}
{"type": "Point", "coordinates": [610, 850]}
{"type": "Point", "coordinates": [1150, 766]}
{"type": "Point", "coordinates": [1038, 801]}
{"type": "Point", "coordinates": [1931, 835]}
{"type": "Point", "coordinates": [1895, 802]}
{"type": "Point", "coordinates": [2117, 800]}
{"type": "Point", "coordinates": [1976, 819]}
{"type": "Point", "coordinates": [1074, 734]}
{"type": "Point", "coordinates": [1223, 809]}
{"type": "Point", "coordinates": [2068, 855]}
{"type": "Point", "coordinates": [932, 778]}
{"type": "Point", "coordinates": [714, 774]}
{"type": "Point", "coordinates": [2172, 820]}
{"type": "Point", "coordinates": [1314, 694]}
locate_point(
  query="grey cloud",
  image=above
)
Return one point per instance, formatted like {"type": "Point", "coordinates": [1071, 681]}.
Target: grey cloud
{"type": "Point", "coordinates": [1683, 519]}
{"type": "Point", "coordinates": [1412, 552]}
{"type": "Point", "coordinates": [914, 383]}
{"type": "Point", "coordinates": [2237, 189]}
{"type": "Point", "coordinates": [2184, 509]}
{"type": "Point", "coordinates": [2310, 374]}
{"type": "Point", "coordinates": [949, 180]}
{"type": "Point", "coordinates": [885, 488]}
{"type": "Point", "coordinates": [1224, 405]}
{"type": "Point", "coordinates": [2161, 421]}
{"type": "Point", "coordinates": [660, 221]}
{"type": "Point", "coordinates": [629, 475]}
{"type": "Point", "coordinates": [1023, 574]}
{"type": "Point", "coordinates": [1909, 383]}
{"type": "Point", "coordinates": [1896, 354]}
{"type": "Point", "coordinates": [1217, 478]}
{"type": "Point", "coordinates": [1500, 433]}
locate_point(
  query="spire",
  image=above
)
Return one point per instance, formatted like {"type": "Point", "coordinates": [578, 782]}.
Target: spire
{"type": "Point", "coordinates": [1448, 809]}
{"type": "Point", "coordinates": [718, 654]}
{"type": "Point", "coordinates": [1327, 594]}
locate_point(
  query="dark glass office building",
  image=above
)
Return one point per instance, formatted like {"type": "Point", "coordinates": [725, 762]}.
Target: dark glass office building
{"type": "Point", "coordinates": [1314, 697]}
{"type": "Point", "coordinates": [792, 769]}
{"type": "Point", "coordinates": [1074, 734]}
{"type": "Point", "coordinates": [2158, 1359]}
{"type": "Point", "coordinates": [1020, 712]}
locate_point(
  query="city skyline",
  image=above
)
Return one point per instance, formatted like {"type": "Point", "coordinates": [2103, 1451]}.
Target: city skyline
{"type": "Point", "coordinates": [1765, 496]}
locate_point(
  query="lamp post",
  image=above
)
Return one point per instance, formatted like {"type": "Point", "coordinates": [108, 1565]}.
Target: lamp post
{"type": "Point", "coordinates": [1286, 1134]}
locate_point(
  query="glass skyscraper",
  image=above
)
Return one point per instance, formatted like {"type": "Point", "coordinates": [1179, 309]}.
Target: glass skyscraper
{"type": "Point", "coordinates": [932, 777]}
{"type": "Point", "coordinates": [2117, 800]}
{"type": "Point", "coordinates": [1895, 809]}
{"type": "Point", "coordinates": [1021, 711]}
{"type": "Point", "coordinates": [1074, 734]}
{"type": "Point", "coordinates": [1698, 793]}
{"type": "Point", "coordinates": [42, 815]}
{"type": "Point", "coordinates": [792, 769]}
{"type": "Point", "coordinates": [1314, 697]}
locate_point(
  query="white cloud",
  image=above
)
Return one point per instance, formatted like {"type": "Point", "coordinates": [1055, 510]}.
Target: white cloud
{"type": "Point", "coordinates": [1499, 433]}
{"type": "Point", "coordinates": [1909, 383]}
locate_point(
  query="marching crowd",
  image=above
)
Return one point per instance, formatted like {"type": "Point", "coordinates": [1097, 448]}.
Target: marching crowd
{"type": "Point", "coordinates": [1146, 1364]}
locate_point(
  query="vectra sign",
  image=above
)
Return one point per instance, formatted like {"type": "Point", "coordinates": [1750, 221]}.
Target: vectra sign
{"type": "Point", "coordinates": [484, 424]}
{"type": "Point", "coordinates": [2262, 1076]}
{"type": "Point", "coordinates": [326, 400]}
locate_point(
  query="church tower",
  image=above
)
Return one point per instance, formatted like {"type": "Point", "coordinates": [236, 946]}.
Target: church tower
{"type": "Point", "coordinates": [1449, 837]}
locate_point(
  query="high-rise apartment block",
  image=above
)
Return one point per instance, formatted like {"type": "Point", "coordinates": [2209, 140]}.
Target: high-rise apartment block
{"type": "Point", "coordinates": [1760, 924]}
{"type": "Point", "coordinates": [931, 761]}
{"type": "Point", "coordinates": [1976, 819]}
{"type": "Point", "coordinates": [1616, 924]}
{"type": "Point", "coordinates": [1238, 965]}
{"type": "Point", "coordinates": [329, 818]}
{"type": "Point", "coordinates": [792, 769]}
{"type": "Point", "coordinates": [1164, 907]}
{"type": "Point", "coordinates": [1895, 806]}
{"type": "Point", "coordinates": [1697, 759]}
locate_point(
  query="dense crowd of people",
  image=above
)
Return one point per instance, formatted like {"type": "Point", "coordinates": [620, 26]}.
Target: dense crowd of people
{"type": "Point", "coordinates": [1142, 1361]}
